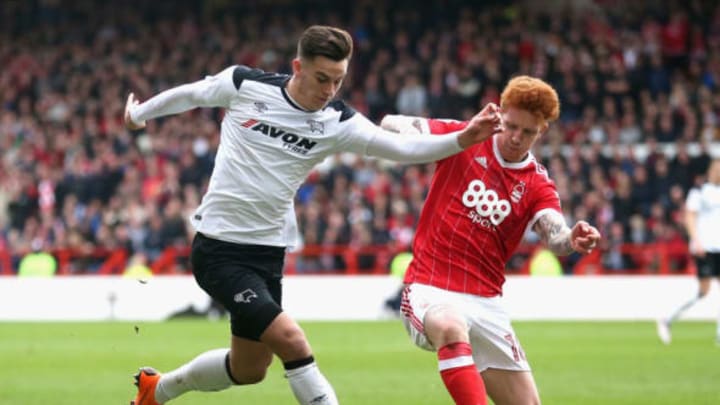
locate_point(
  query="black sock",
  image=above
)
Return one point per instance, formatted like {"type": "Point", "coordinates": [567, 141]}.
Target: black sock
{"type": "Point", "coordinates": [291, 365]}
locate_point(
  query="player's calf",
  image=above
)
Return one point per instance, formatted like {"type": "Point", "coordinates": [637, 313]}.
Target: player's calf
{"type": "Point", "coordinates": [459, 374]}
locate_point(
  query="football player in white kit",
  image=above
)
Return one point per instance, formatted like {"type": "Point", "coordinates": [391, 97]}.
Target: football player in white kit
{"type": "Point", "coordinates": [276, 128]}
{"type": "Point", "coordinates": [702, 220]}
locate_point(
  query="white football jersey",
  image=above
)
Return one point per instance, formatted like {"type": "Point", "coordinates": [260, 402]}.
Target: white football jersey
{"type": "Point", "coordinates": [268, 146]}
{"type": "Point", "coordinates": [705, 201]}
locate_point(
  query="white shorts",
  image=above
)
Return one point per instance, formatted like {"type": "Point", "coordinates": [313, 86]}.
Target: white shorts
{"type": "Point", "coordinates": [492, 337]}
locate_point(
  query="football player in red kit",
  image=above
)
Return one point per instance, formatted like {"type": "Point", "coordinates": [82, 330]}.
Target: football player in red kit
{"type": "Point", "coordinates": [480, 204]}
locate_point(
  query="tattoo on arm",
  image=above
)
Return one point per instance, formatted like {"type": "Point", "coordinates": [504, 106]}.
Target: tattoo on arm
{"type": "Point", "coordinates": [554, 233]}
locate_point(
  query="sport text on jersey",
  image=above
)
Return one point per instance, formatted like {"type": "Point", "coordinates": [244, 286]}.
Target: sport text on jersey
{"type": "Point", "coordinates": [293, 142]}
{"type": "Point", "coordinates": [487, 208]}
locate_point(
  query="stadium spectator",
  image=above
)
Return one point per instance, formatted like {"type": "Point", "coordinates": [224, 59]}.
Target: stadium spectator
{"type": "Point", "coordinates": [480, 204]}
{"type": "Point", "coordinates": [702, 219]}
{"type": "Point", "coordinates": [246, 219]}
{"type": "Point", "coordinates": [61, 84]}
{"type": "Point", "coordinates": [398, 266]}
{"type": "Point", "coordinates": [137, 268]}
{"type": "Point", "coordinates": [37, 263]}
{"type": "Point", "coordinates": [544, 263]}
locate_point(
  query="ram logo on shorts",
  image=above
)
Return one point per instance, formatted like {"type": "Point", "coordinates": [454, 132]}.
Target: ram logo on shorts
{"type": "Point", "coordinates": [245, 296]}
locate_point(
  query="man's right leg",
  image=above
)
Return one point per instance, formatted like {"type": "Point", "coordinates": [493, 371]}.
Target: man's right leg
{"type": "Point", "coordinates": [234, 276]}
{"type": "Point", "coordinates": [246, 279]}
{"type": "Point", "coordinates": [663, 325]}
{"type": "Point", "coordinates": [447, 330]}
{"type": "Point", "coordinates": [705, 269]}
{"type": "Point", "coordinates": [245, 363]}
{"type": "Point", "coordinates": [704, 288]}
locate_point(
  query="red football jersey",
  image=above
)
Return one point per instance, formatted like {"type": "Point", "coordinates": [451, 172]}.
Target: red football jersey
{"type": "Point", "coordinates": [476, 213]}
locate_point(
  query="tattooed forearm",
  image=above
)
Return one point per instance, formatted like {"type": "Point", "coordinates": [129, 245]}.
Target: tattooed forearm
{"type": "Point", "coordinates": [554, 233]}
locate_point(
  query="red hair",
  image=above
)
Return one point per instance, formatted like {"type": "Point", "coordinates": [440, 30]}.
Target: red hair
{"type": "Point", "coordinates": [531, 94]}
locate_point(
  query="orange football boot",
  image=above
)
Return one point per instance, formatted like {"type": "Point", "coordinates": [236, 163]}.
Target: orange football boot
{"type": "Point", "coordinates": [146, 380]}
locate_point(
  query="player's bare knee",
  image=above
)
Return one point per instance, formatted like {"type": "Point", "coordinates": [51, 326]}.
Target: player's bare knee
{"type": "Point", "coordinates": [245, 369]}
{"type": "Point", "coordinates": [250, 376]}
{"type": "Point", "coordinates": [289, 343]}
{"type": "Point", "coordinates": [296, 343]}
{"type": "Point", "coordinates": [444, 325]}
{"type": "Point", "coordinates": [449, 327]}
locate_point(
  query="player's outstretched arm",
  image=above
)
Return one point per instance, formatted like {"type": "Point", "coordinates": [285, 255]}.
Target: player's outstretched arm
{"type": "Point", "coordinates": [213, 91]}
{"type": "Point", "coordinates": [485, 124]}
{"type": "Point", "coordinates": [407, 124]}
{"type": "Point", "coordinates": [561, 240]}
{"type": "Point", "coordinates": [411, 148]}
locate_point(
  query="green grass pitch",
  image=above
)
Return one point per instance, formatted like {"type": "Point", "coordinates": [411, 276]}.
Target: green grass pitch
{"type": "Point", "coordinates": [367, 363]}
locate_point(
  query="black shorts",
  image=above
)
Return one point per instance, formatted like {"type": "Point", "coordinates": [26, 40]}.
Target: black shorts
{"type": "Point", "coordinates": [708, 266]}
{"type": "Point", "coordinates": [246, 279]}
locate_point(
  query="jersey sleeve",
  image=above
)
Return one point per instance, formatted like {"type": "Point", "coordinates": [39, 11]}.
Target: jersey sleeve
{"type": "Point", "coordinates": [213, 91]}
{"type": "Point", "coordinates": [693, 201]}
{"type": "Point", "coordinates": [361, 136]}
{"type": "Point", "coordinates": [545, 199]}
{"type": "Point", "coordinates": [356, 130]}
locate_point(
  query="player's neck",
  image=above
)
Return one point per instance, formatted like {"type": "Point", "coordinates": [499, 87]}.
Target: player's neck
{"type": "Point", "coordinates": [293, 91]}
{"type": "Point", "coordinates": [522, 159]}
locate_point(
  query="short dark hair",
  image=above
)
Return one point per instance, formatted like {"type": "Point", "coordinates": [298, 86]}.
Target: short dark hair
{"type": "Point", "coordinates": [322, 40]}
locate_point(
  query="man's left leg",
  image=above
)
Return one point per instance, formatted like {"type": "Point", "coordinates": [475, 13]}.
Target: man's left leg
{"type": "Point", "coordinates": [509, 387]}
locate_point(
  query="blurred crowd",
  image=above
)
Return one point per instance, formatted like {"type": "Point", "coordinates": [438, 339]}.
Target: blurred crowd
{"type": "Point", "coordinates": [628, 73]}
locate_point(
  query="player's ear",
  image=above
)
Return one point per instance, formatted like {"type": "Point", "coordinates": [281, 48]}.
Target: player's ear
{"type": "Point", "coordinates": [544, 128]}
{"type": "Point", "coordinates": [296, 66]}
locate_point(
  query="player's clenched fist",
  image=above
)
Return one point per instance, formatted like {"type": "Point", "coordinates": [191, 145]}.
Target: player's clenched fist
{"type": "Point", "coordinates": [584, 237]}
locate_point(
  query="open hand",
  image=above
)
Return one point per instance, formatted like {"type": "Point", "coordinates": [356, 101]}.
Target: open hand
{"type": "Point", "coordinates": [129, 123]}
{"type": "Point", "coordinates": [482, 126]}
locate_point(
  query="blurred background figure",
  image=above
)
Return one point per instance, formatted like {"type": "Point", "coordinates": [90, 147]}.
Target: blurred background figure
{"type": "Point", "coordinates": [37, 263]}
{"type": "Point", "coordinates": [398, 266]}
{"type": "Point", "coordinates": [138, 268]}
{"type": "Point", "coordinates": [543, 262]}
{"type": "Point", "coordinates": [702, 218]}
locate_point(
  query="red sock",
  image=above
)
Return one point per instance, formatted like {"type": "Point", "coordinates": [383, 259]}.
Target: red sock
{"type": "Point", "coordinates": [459, 374]}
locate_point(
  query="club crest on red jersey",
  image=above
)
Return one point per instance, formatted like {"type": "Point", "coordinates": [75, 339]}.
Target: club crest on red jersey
{"type": "Point", "coordinates": [517, 192]}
